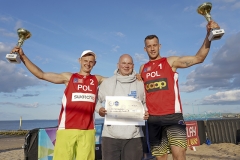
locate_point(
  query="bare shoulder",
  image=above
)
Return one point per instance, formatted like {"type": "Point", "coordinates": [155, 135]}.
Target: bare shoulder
{"type": "Point", "coordinates": [57, 78]}
{"type": "Point", "coordinates": [172, 59]}
{"type": "Point", "coordinates": [66, 75]}
{"type": "Point", "coordinates": [141, 68]}
{"type": "Point", "coordinates": [100, 78]}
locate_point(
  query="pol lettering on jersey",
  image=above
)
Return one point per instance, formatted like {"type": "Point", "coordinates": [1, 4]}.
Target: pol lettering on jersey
{"type": "Point", "coordinates": [153, 74]}
{"type": "Point", "coordinates": [84, 87]}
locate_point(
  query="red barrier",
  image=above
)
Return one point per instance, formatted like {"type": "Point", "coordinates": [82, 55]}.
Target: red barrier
{"type": "Point", "coordinates": [192, 133]}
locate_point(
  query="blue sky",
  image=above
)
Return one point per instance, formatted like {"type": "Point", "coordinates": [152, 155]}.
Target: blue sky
{"type": "Point", "coordinates": [61, 30]}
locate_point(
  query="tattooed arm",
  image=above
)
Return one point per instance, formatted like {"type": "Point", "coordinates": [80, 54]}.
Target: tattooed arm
{"type": "Point", "coordinates": [187, 61]}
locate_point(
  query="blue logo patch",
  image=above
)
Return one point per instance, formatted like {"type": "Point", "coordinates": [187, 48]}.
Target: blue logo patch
{"type": "Point", "coordinates": [181, 122]}
{"type": "Point", "coordinates": [116, 103]}
{"type": "Point", "coordinates": [133, 94]}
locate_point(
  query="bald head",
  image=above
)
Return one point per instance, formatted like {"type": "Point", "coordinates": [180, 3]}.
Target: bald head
{"type": "Point", "coordinates": [125, 65]}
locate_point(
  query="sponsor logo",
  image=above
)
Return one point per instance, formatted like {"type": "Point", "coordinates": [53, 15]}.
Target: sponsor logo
{"type": "Point", "coordinates": [181, 122]}
{"type": "Point", "coordinates": [156, 85]}
{"type": "Point", "coordinates": [86, 97]}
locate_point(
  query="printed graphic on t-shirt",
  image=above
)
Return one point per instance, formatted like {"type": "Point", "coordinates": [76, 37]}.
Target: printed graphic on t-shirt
{"type": "Point", "coordinates": [133, 94]}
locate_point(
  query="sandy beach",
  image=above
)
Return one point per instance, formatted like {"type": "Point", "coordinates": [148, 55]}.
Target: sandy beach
{"type": "Point", "coordinates": [11, 149]}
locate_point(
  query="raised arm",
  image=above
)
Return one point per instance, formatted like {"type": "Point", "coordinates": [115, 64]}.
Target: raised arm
{"type": "Point", "coordinates": [61, 78]}
{"type": "Point", "coordinates": [187, 61]}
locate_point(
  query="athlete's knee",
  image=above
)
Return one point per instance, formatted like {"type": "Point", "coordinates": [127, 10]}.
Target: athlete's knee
{"type": "Point", "coordinates": [163, 157]}
{"type": "Point", "coordinates": [178, 153]}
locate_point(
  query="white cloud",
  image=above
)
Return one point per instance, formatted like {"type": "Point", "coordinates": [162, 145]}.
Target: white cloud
{"type": "Point", "coordinates": [224, 1]}
{"type": "Point", "coordinates": [18, 25]}
{"type": "Point", "coordinates": [223, 71]}
{"type": "Point", "coordinates": [120, 34]}
{"type": "Point", "coordinates": [43, 60]}
{"type": "Point", "coordinates": [5, 18]}
{"type": "Point", "coordinates": [4, 48]}
{"type": "Point", "coordinates": [140, 58]}
{"type": "Point", "coordinates": [115, 48]}
{"type": "Point", "coordinates": [15, 79]}
{"type": "Point", "coordinates": [203, 24]}
{"type": "Point", "coordinates": [6, 33]}
{"type": "Point", "coordinates": [236, 5]}
{"type": "Point", "coordinates": [171, 53]}
{"type": "Point", "coordinates": [21, 105]}
{"type": "Point", "coordinates": [227, 97]}
{"type": "Point", "coordinates": [189, 8]}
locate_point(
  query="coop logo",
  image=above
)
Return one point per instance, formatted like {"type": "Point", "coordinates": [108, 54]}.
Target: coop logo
{"type": "Point", "coordinates": [156, 85]}
{"type": "Point", "coordinates": [86, 97]}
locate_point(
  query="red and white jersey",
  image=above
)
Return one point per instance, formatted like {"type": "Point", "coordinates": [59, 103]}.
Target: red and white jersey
{"type": "Point", "coordinates": [78, 103]}
{"type": "Point", "coordinates": [161, 87]}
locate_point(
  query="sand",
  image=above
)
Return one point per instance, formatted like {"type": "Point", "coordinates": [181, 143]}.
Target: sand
{"type": "Point", "coordinates": [11, 149]}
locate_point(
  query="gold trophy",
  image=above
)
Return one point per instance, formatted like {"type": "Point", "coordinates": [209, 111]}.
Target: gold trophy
{"type": "Point", "coordinates": [204, 9]}
{"type": "Point", "coordinates": [23, 34]}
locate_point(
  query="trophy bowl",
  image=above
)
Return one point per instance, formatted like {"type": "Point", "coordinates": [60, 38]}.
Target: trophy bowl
{"type": "Point", "coordinates": [204, 9]}
{"type": "Point", "coordinates": [23, 34]}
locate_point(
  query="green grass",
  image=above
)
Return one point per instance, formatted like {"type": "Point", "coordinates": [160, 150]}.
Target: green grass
{"type": "Point", "coordinates": [14, 132]}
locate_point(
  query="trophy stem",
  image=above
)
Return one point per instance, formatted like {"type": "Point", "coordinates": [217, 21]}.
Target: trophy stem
{"type": "Point", "coordinates": [207, 16]}
{"type": "Point", "coordinates": [20, 42]}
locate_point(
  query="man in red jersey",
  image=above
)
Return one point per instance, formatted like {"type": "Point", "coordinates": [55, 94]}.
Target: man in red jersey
{"type": "Point", "coordinates": [167, 130]}
{"type": "Point", "coordinates": [75, 137]}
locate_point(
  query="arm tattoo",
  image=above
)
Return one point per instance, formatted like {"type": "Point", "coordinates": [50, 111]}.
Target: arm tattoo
{"type": "Point", "coordinates": [187, 64]}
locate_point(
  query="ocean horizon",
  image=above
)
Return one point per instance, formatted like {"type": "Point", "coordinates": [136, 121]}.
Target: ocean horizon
{"type": "Point", "coordinates": [7, 125]}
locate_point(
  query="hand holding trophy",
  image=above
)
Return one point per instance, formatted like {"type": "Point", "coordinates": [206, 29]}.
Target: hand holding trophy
{"type": "Point", "coordinates": [23, 35]}
{"type": "Point", "coordinates": [204, 9]}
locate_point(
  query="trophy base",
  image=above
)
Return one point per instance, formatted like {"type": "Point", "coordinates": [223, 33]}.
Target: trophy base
{"type": "Point", "coordinates": [216, 34]}
{"type": "Point", "coordinates": [13, 58]}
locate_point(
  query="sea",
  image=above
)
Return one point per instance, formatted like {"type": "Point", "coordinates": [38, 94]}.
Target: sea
{"type": "Point", "coordinates": [32, 124]}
